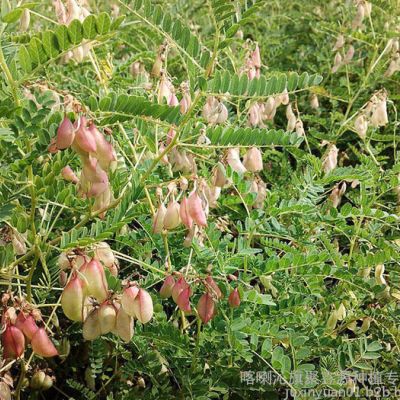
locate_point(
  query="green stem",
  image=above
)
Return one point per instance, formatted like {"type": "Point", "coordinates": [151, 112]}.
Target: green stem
{"type": "Point", "coordinates": [11, 82]}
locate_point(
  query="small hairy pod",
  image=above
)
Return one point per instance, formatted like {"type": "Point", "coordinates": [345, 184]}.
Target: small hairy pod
{"type": "Point", "coordinates": [13, 342]}
{"type": "Point", "coordinates": [105, 152]}
{"type": "Point", "coordinates": [25, 20]}
{"type": "Point", "coordinates": [252, 160]}
{"type": "Point", "coordinates": [37, 380]}
{"type": "Point", "coordinates": [339, 42]}
{"type": "Point", "coordinates": [196, 210]}
{"type": "Point", "coordinates": [379, 114]}
{"type": "Point", "coordinates": [332, 321]}
{"type": "Point", "coordinates": [219, 176]}
{"type": "Point", "coordinates": [291, 118]}
{"type": "Point", "coordinates": [65, 134]}
{"type": "Point", "coordinates": [104, 254]}
{"type": "Point", "coordinates": [68, 174]}
{"type": "Point", "coordinates": [341, 312]}
{"type": "Point", "coordinates": [166, 288]}
{"type": "Point", "coordinates": [158, 221]}
{"type": "Point", "coordinates": [42, 345]}
{"type": "Point", "coordinates": [143, 306]}
{"type": "Point", "coordinates": [91, 327]}
{"type": "Point", "coordinates": [172, 218]}
{"type": "Point", "coordinates": [206, 308]}
{"type": "Point", "coordinates": [72, 299]}
{"type": "Point", "coordinates": [128, 296]}
{"type": "Point", "coordinates": [107, 317]}
{"type": "Point", "coordinates": [234, 298]}
{"type": "Point", "coordinates": [96, 282]}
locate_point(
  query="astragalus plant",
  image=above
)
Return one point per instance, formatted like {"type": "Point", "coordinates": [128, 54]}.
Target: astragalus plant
{"type": "Point", "coordinates": [199, 199]}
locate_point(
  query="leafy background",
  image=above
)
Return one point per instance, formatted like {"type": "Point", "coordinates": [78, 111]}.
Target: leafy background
{"type": "Point", "coordinates": [297, 258]}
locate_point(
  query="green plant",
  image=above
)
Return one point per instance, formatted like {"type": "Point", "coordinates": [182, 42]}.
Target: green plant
{"type": "Point", "coordinates": [238, 197]}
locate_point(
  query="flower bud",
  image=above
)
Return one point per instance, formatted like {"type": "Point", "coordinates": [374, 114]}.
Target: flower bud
{"type": "Point", "coordinates": [124, 325]}
{"type": "Point", "coordinates": [256, 57]}
{"type": "Point", "coordinates": [42, 345]}
{"type": "Point", "coordinates": [143, 306]}
{"type": "Point", "coordinates": [172, 218]}
{"type": "Point", "coordinates": [97, 285]}
{"type": "Point", "coordinates": [13, 342]}
{"type": "Point", "coordinates": [253, 160]}
{"type": "Point", "coordinates": [91, 327]}
{"type": "Point", "coordinates": [196, 209]}
{"type": "Point", "coordinates": [158, 222]}
{"type": "Point", "coordinates": [234, 298]}
{"type": "Point", "coordinates": [234, 162]}
{"type": "Point", "coordinates": [128, 296]}
{"type": "Point", "coordinates": [26, 324]}
{"type": "Point", "coordinates": [166, 288]}
{"type": "Point", "coordinates": [107, 316]}
{"type": "Point", "coordinates": [68, 174]}
{"type": "Point", "coordinates": [349, 55]}
{"type": "Point", "coordinates": [65, 134]}
{"type": "Point", "coordinates": [206, 308]}
{"type": "Point", "coordinates": [72, 299]}
{"type": "Point", "coordinates": [213, 287]}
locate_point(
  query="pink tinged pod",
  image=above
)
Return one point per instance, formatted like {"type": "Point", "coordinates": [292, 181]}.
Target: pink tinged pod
{"type": "Point", "coordinates": [213, 287]}
{"type": "Point", "coordinates": [69, 175]}
{"type": "Point", "coordinates": [206, 308]}
{"type": "Point", "coordinates": [173, 100]}
{"type": "Point", "coordinates": [179, 286]}
{"type": "Point", "coordinates": [91, 327]}
{"type": "Point", "coordinates": [107, 318]}
{"type": "Point", "coordinates": [158, 222]}
{"type": "Point", "coordinates": [166, 288]}
{"type": "Point", "coordinates": [143, 306]}
{"type": "Point", "coordinates": [52, 149]}
{"type": "Point", "coordinates": [96, 280]}
{"type": "Point", "coordinates": [65, 134]}
{"type": "Point", "coordinates": [256, 57]}
{"type": "Point", "coordinates": [72, 299]}
{"type": "Point", "coordinates": [42, 345]}
{"type": "Point", "coordinates": [253, 160]}
{"type": "Point", "coordinates": [183, 300]}
{"type": "Point", "coordinates": [84, 137]}
{"type": "Point", "coordinates": [172, 218]}
{"type": "Point", "coordinates": [13, 342]}
{"type": "Point", "coordinates": [170, 135]}
{"type": "Point", "coordinates": [127, 299]}
{"type": "Point", "coordinates": [186, 219]}
{"type": "Point", "coordinates": [104, 150]}
{"type": "Point", "coordinates": [124, 327]}
{"type": "Point", "coordinates": [196, 209]}
{"type": "Point", "coordinates": [26, 324]}
{"type": "Point", "coordinates": [234, 298]}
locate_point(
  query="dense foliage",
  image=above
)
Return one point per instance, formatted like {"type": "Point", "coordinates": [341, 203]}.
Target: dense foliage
{"type": "Point", "coordinates": [289, 269]}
